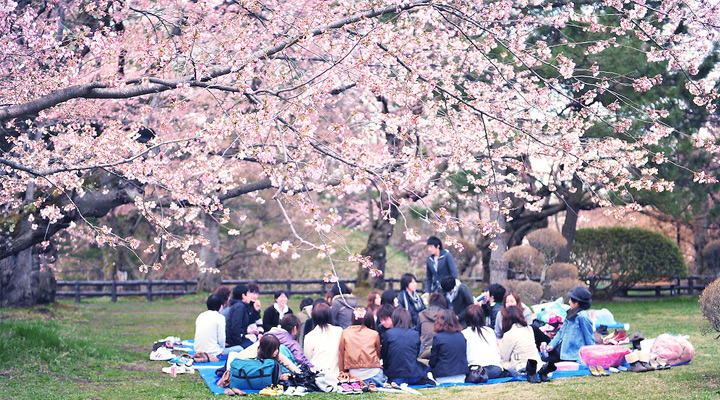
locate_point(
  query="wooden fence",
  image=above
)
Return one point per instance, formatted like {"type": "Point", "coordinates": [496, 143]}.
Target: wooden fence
{"type": "Point", "coordinates": [690, 285]}
{"type": "Point", "coordinates": [152, 288]}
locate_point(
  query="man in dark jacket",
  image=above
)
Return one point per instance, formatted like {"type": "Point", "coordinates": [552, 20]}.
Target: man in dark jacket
{"type": "Point", "coordinates": [458, 296]}
{"type": "Point", "coordinates": [241, 315]}
{"type": "Point", "coordinates": [440, 264]}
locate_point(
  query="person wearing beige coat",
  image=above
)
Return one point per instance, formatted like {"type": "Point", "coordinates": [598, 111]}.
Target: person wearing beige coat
{"type": "Point", "coordinates": [518, 343]}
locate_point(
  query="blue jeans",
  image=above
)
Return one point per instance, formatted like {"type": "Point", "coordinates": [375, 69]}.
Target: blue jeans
{"type": "Point", "coordinates": [379, 379]}
{"type": "Point", "coordinates": [232, 348]}
{"type": "Point", "coordinates": [409, 381]}
{"type": "Point", "coordinates": [450, 379]}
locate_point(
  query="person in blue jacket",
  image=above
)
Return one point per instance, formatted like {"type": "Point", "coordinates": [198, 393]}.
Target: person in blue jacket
{"type": "Point", "coordinates": [576, 331]}
{"type": "Point", "coordinates": [448, 355]}
{"type": "Point", "coordinates": [400, 349]}
{"type": "Point", "coordinates": [440, 264]}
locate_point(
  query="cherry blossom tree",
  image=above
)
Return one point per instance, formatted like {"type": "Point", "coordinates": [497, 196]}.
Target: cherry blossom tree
{"type": "Point", "coordinates": [176, 107]}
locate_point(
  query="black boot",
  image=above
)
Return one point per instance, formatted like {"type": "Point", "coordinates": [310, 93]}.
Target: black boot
{"type": "Point", "coordinates": [531, 371]}
{"type": "Point", "coordinates": [545, 370]}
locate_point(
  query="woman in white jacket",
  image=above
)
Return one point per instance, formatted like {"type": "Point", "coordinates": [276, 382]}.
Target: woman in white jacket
{"type": "Point", "coordinates": [322, 346]}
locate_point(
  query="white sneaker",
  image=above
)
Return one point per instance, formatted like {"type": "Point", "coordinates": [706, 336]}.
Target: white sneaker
{"type": "Point", "coordinates": [176, 369]}
{"type": "Point", "coordinates": [162, 354]}
{"type": "Point", "coordinates": [290, 391]}
{"type": "Point", "coordinates": [300, 391]}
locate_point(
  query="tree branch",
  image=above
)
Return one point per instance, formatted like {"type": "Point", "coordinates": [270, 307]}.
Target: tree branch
{"type": "Point", "coordinates": [98, 90]}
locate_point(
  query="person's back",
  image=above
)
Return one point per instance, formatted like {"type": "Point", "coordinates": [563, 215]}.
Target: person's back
{"type": "Point", "coordinates": [527, 312]}
{"type": "Point", "coordinates": [289, 326]}
{"type": "Point", "coordinates": [427, 317]}
{"type": "Point", "coordinates": [517, 347]}
{"type": "Point", "coordinates": [342, 308]}
{"type": "Point", "coordinates": [322, 346]}
{"type": "Point", "coordinates": [359, 348]}
{"type": "Point", "coordinates": [448, 356]}
{"type": "Point", "coordinates": [303, 317]}
{"type": "Point", "coordinates": [426, 321]}
{"type": "Point", "coordinates": [210, 328]}
{"type": "Point", "coordinates": [400, 349]}
{"type": "Point", "coordinates": [481, 350]}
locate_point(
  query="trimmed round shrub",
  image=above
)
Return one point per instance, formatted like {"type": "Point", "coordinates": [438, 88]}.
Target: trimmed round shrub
{"type": "Point", "coordinates": [547, 241]}
{"type": "Point", "coordinates": [562, 270]}
{"type": "Point", "coordinates": [710, 304]}
{"type": "Point", "coordinates": [526, 259]}
{"type": "Point", "coordinates": [530, 292]}
{"type": "Point", "coordinates": [562, 287]}
{"type": "Point", "coordinates": [711, 257]}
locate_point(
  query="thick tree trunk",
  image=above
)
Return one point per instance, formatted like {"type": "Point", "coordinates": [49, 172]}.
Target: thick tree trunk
{"type": "Point", "coordinates": [700, 239]}
{"type": "Point", "coordinates": [568, 231]}
{"type": "Point", "coordinates": [209, 278]}
{"type": "Point", "coordinates": [382, 231]}
{"type": "Point", "coordinates": [572, 212]}
{"type": "Point", "coordinates": [498, 267]}
{"type": "Point", "coordinates": [24, 281]}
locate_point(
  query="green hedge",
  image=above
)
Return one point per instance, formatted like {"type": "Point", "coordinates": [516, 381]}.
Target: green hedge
{"type": "Point", "coordinates": [630, 255]}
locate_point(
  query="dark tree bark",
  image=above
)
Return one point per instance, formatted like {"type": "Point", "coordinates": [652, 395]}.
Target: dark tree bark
{"type": "Point", "coordinates": [208, 277]}
{"type": "Point", "coordinates": [498, 267]}
{"type": "Point", "coordinates": [382, 231]}
{"type": "Point", "coordinates": [575, 202]}
{"type": "Point", "coordinates": [25, 281]}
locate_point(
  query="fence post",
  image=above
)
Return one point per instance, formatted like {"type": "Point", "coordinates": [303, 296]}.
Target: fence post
{"type": "Point", "coordinates": [77, 292]}
{"type": "Point", "coordinates": [113, 291]}
{"type": "Point", "coordinates": [149, 290]}
{"type": "Point", "coordinates": [691, 284]}
{"type": "Point", "coordinates": [288, 284]}
{"type": "Point", "coordinates": [185, 285]}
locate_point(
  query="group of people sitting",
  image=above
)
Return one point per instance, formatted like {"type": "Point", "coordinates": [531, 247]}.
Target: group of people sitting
{"type": "Point", "coordinates": [402, 338]}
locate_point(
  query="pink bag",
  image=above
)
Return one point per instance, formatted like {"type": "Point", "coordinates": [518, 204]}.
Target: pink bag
{"type": "Point", "coordinates": [604, 356]}
{"type": "Point", "coordinates": [674, 349]}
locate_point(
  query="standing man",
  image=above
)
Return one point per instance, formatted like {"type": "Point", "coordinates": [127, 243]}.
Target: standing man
{"type": "Point", "coordinates": [440, 264]}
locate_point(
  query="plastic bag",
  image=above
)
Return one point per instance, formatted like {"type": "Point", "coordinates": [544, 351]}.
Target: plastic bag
{"type": "Point", "coordinates": [674, 349]}
{"type": "Point", "coordinates": [604, 356]}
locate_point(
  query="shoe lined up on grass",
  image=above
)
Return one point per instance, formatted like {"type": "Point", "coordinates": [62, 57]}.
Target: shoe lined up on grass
{"type": "Point", "coordinates": [185, 360]}
{"type": "Point", "coordinates": [273, 390]}
{"type": "Point", "coordinates": [597, 370]}
{"type": "Point", "coordinates": [176, 369]}
{"type": "Point", "coordinates": [234, 392]}
{"type": "Point", "coordinates": [162, 354]}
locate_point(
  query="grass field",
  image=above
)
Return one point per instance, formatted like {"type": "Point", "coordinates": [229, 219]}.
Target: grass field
{"type": "Point", "coordinates": [99, 350]}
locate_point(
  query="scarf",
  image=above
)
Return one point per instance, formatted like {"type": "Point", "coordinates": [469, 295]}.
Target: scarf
{"type": "Point", "coordinates": [573, 312]}
{"type": "Point", "coordinates": [450, 296]}
{"type": "Point", "coordinates": [415, 298]}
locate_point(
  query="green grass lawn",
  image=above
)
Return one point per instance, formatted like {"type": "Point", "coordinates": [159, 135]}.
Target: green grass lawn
{"type": "Point", "coordinates": [99, 350]}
